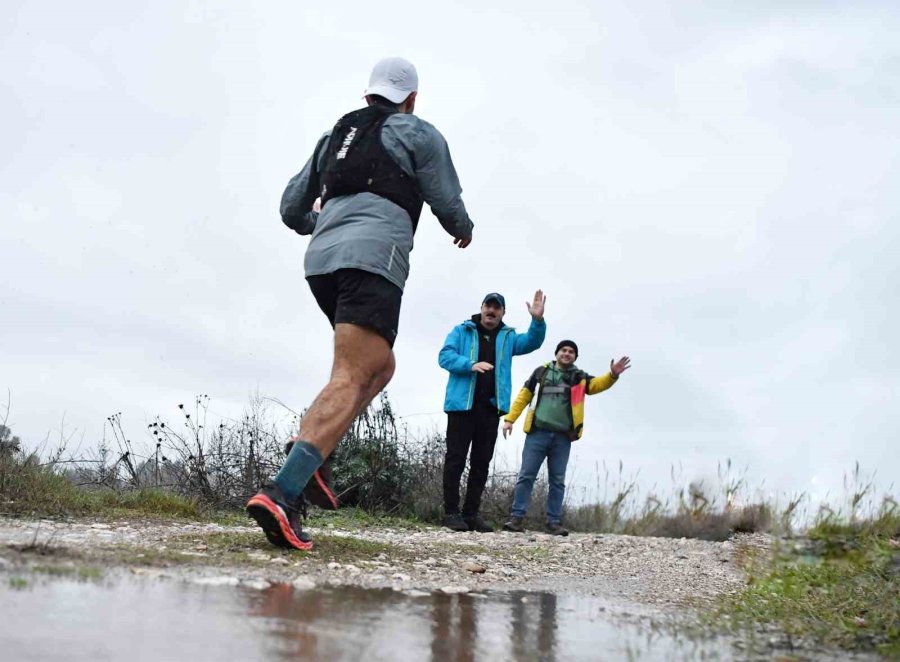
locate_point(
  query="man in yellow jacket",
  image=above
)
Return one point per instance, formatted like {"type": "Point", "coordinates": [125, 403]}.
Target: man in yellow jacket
{"type": "Point", "coordinates": [555, 421]}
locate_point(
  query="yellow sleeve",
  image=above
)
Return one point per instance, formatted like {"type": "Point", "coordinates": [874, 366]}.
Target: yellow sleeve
{"type": "Point", "coordinates": [518, 405]}
{"type": "Point", "coordinates": [601, 383]}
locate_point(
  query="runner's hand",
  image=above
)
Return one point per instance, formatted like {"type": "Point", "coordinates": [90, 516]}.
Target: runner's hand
{"type": "Point", "coordinates": [507, 428]}
{"type": "Point", "coordinates": [462, 243]}
{"type": "Point", "coordinates": [482, 367]}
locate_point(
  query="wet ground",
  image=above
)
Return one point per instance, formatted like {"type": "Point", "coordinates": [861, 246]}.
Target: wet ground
{"type": "Point", "coordinates": [134, 618]}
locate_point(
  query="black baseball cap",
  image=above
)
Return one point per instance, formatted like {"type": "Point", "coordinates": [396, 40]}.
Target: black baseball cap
{"type": "Point", "coordinates": [495, 296]}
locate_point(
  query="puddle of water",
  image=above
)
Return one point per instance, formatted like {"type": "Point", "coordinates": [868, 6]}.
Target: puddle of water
{"type": "Point", "coordinates": [161, 620]}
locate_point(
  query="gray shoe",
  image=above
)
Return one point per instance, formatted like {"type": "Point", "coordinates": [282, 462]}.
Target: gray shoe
{"type": "Point", "coordinates": [556, 529]}
{"type": "Point", "coordinates": [455, 522]}
{"type": "Point", "coordinates": [514, 524]}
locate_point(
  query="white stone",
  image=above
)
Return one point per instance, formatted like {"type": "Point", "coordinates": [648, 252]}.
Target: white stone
{"type": "Point", "coordinates": [451, 590]}
{"type": "Point", "coordinates": [258, 584]}
{"type": "Point", "coordinates": [303, 583]}
{"type": "Point", "coordinates": [216, 581]}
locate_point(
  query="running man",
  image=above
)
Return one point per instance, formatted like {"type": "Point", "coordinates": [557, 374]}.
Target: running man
{"type": "Point", "coordinates": [360, 196]}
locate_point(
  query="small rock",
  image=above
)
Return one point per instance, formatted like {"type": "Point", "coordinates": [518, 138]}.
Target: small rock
{"type": "Point", "coordinates": [258, 584]}
{"type": "Point", "coordinates": [452, 590]}
{"type": "Point", "coordinates": [201, 547]}
{"type": "Point", "coordinates": [258, 556]}
{"type": "Point", "coordinates": [278, 560]}
{"type": "Point", "coordinates": [100, 526]}
{"type": "Point", "coordinates": [216, 581]}
{"type": "Point", "coordinates": [352, 569]}
{"type": "Point", "coordinates": [334, 565]}
{"type": "Point", "coordinates": [400, 577]}
{"type": "Point", "coordinates": [475, 568]}
{"type": "Point", "coordinates": [303, 583]}
{"type": "Point", "coordinates": [413, 593]}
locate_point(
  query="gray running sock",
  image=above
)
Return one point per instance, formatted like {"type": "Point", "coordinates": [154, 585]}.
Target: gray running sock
{"type": "Point", "coordinates": [298, 469]}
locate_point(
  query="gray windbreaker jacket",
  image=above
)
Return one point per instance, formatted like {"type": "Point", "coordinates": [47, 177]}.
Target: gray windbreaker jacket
{"type": "Point", "coordinates": [368, 232]}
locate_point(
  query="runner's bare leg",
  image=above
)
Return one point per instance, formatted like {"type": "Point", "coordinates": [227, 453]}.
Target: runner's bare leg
{"type": "Point", "coordinates": [363, 366]}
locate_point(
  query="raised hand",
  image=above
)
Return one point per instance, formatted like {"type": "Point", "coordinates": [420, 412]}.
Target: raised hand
{"type": "Point", "coordinates": [619, 366]}
{"type": "Point", "coordinates": [482, 366]}
{"type": "Point", "coordinates": [536, 307]}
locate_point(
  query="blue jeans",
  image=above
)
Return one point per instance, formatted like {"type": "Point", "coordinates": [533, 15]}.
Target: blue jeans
{"type": "Point", "coordinates": [555, 447]}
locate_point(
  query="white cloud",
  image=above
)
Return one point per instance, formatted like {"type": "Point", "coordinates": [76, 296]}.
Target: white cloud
{"type": "Point", "coordinates": [708, 189]}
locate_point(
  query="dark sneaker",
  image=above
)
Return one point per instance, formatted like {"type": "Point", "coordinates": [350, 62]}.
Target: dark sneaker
{"type": "Point", "coordinates": [455, 522]}
{"type": "Point", "coordinates": [556, 529]}
{"type": "Point", "coordinates": [319, 491]}
{"type": "Point", "coordinates": [514, 524]}
{"type": "Point", "coordinates": [279, 519]}
{"type": "Point", "coordinates": [477, 524]}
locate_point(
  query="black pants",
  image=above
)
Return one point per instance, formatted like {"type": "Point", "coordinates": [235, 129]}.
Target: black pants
{"type": "Point", "coordinates": [478, 428]}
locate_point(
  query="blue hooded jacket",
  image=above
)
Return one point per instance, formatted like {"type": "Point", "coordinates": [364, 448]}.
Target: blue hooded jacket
{"type": "Point", "coordinates": [460, 353]}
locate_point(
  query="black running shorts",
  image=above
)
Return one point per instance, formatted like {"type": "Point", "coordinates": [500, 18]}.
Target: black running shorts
{"type": "Point", "coordinates": [353, 296]}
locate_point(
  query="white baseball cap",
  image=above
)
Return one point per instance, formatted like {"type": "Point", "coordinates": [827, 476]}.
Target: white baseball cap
{"type": "Point", "coordinates": [394, 79]}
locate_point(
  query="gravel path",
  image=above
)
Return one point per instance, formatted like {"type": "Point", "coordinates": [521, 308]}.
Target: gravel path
{"type": "Point", "coordinates": [655, 572]}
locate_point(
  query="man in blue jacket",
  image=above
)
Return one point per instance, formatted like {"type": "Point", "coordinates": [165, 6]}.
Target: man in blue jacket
{"type": "Point", "coordinates": [478, 355]}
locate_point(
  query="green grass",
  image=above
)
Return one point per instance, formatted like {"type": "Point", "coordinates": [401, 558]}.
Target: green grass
{"type": "Point", "coordinates": [344, 550]}
{"type": "Point", "coordinates": [29, 489]}
{"type": "Point", "coordinates": [18, 583]}
{"type": "Point", "coordinates": [240, 547]}
{"type": "Point", "coordinates": [357, 518]}
{"type": "Point", "coordinates": [82, 573]}
{"type": "Point", "coordinates": [840, 589]}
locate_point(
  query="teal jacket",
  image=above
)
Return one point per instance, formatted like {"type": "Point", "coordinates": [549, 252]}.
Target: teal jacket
{"type": "Point", "coordinates": [460, 353]}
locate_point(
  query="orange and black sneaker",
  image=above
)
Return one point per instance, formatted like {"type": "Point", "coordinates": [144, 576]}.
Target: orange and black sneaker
{"type": "Point", "coordinates": [279, 519]}
{"type": "Point", "coordinates": [319, 491]}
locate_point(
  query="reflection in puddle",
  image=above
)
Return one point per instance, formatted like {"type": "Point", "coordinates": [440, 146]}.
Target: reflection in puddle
{"type": "Point", "coordinates": [160, 620]}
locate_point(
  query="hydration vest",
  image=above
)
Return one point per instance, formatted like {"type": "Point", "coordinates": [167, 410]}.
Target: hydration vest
{"type": "Point", "coordinates": [357, 162]}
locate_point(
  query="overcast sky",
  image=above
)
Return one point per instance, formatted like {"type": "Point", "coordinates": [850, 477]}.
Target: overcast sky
{"type": "Point", "coordinates": [709, 188]}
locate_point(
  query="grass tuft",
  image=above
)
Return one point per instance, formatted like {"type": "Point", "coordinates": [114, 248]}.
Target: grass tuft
{"type": "Point", "coordinates": [840, 587]}
{"type": "Point", "coordinates": [30, 488]}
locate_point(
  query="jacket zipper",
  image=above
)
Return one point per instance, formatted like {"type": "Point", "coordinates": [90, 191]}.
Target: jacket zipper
{"type": "Point", "coordinates": [473, 377]}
